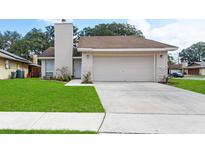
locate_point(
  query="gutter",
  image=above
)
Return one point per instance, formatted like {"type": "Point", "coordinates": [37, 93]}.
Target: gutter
{"type": "Point", "coordinates": [125, 49]}
{"type": "Point", "coordinates": [42, 58]}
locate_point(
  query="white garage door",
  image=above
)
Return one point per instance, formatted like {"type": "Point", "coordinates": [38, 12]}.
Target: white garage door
{"type": "Point", "coordinates": [137, 68]}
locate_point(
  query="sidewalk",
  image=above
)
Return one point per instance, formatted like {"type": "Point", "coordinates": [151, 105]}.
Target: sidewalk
{"type": "Point", "coordinates": [51, 120]}
{"type": "Point", "coordinates": [153, 124]}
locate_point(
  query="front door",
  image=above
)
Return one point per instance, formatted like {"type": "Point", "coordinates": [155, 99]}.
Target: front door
{"type": "Point", "coordinates": [77, 68]}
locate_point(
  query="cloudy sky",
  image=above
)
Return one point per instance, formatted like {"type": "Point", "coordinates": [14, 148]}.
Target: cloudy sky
{"type": "Point", "coordinates": [181, 33]}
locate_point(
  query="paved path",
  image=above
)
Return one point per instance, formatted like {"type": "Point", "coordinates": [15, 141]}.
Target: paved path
{"type": "Point", "coordinates": [137, 107]}
{"type": "Point", "coordinates": [148, 97]}
{"type": "Point", "coordinates": [153, 123]}
{"type": "Point", "coordinates": [51, 120]}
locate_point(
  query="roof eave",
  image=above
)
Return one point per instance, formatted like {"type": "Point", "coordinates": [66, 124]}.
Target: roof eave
{"type": "Point", "coordinates": [42, 58]}
{"type": "Point", "coordinates": [126, 49]}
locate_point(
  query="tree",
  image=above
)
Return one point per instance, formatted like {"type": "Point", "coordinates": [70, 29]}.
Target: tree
{"type": "Point", "coordinates": [38, 41]}
{"type": "Point", "coordinates": [21, 48]}
{"type": "Point", "coordinates": [8, 38]}
{"type": "Point", "coordinates": [50, 34]}
{"type": "Point", "coordinates": [113, 29]}
{"type": "Point", "coordinates": [75, 31]}
{"type": "Point", "coordinates": [1, 40]}
{"type": "Point", "coordinates": [194, 53]}
{"type": "Point", "coordinates": [170, 59]}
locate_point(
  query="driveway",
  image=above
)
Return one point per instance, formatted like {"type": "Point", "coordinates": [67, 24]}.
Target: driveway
{"type": "Point", "coordinates": [147, 107]}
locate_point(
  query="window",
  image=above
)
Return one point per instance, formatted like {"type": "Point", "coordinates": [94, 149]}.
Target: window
{"type": "Point", "coordinates": [7, 65]}
{"type": "Point", "coordinates": [49, 67]}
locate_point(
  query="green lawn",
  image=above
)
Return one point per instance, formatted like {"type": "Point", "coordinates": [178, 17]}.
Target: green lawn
{"type": "Point", "coordinates": [10, 131]}
{"type": "Point", "coordinates": [47, 96]}
{"type": "Point", "coordinates": [192, 85]}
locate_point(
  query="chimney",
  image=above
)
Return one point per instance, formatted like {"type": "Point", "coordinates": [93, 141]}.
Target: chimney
{"type": "Point", "coordinates": [35, 59]}
{"type": "Point", "coordinates": [63, 46]}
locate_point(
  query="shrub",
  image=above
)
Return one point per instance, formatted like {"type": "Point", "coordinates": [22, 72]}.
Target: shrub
{"type": "Point", "coordinates": [63, 74]}
{"type": "Point", "coordinates": [87, 78]}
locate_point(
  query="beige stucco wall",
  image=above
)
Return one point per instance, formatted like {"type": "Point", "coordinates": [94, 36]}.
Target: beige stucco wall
{"type": "Point", "coordinates": [63, 46]}
{"type": "Point", "coordinates": [14, 65]}
{"type": "Point", "coordinates": [202, 71]}
{"type": "Point", "coordinates": [161, 66]}
{"type": "Point", "coordinates": [160, 63]}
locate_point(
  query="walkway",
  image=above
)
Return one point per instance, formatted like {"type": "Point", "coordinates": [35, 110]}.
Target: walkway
{"type": "Point", "coordinates": [51, 120]}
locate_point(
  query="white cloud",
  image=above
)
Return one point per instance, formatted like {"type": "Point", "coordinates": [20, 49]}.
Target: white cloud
{"type": "Point", "coordinates": [181, 33]}
{"type": "Point", "coordinates": [143, 25]}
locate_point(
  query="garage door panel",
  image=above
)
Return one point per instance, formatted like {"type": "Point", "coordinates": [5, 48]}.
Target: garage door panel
{"type": "Point", "coordinates": [123, 68]}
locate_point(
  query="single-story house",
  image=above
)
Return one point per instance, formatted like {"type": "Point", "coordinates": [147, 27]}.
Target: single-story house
{"type": "Point", "coordinates": [107, 58]}
{"type": "Point", "coordinates": [197, 68]}
{"type": "Point", "coordinates": [11, 63]}
{"type": "Point", "coordinates": [177, 68]}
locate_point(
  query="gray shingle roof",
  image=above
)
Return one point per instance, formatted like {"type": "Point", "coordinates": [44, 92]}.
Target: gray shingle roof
{"type": "Point", "coordinates": [50, 52]}
{"type": "Point", "coordinates": [8, 55]}
{"type": "Point", "coordinates": [114, 42]}
{"type": "Point", "coordinates": [196, 65]}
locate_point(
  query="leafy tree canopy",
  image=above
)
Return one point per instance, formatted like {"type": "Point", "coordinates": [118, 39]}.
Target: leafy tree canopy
{"type": "Point", "coordinates": [38, 41]}
{"type": "Point", "coordinates": [8, 38]}
{"type": "Point", "coordinates": [194, 53]}
{"type": "Point", "coordinates": [21, 48]}
{"type": "Point", "coordinates": [112, 29]}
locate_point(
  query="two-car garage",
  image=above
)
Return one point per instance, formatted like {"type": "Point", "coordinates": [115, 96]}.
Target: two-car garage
{"type": "Point", "coordinates": [123, 68]}
{"type": "Point", "coordinates": [124, 58]}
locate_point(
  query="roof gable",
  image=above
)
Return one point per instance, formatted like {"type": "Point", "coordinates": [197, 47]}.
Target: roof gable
{"type": "Point", "coordinates": [48, 52]}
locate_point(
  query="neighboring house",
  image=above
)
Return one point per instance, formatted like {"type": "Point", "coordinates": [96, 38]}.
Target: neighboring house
{"type": "Point", "coordinates": [10, 63]}
{"type": "Point", "coordinates": [107, 58]}
{"type": "Point", "coordinates": [177, 68]}
{"type": "Point", "coordinates": [197, 68]}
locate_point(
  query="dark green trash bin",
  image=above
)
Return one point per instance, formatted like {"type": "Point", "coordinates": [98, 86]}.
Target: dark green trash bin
{"type": "Point", "coordinates": [18, 74]}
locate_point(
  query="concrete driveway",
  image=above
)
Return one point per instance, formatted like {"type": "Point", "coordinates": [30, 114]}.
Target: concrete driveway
{"type": "Point", "coordinates": [147, 107]}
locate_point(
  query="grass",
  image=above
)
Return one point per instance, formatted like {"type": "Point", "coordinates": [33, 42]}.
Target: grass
{"type": "Point", "coordinates": [10, 131]}
{"type": "Point", "coordinates": [35, 95]}
{"type": "Point", "coordinates": [192, 85]}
